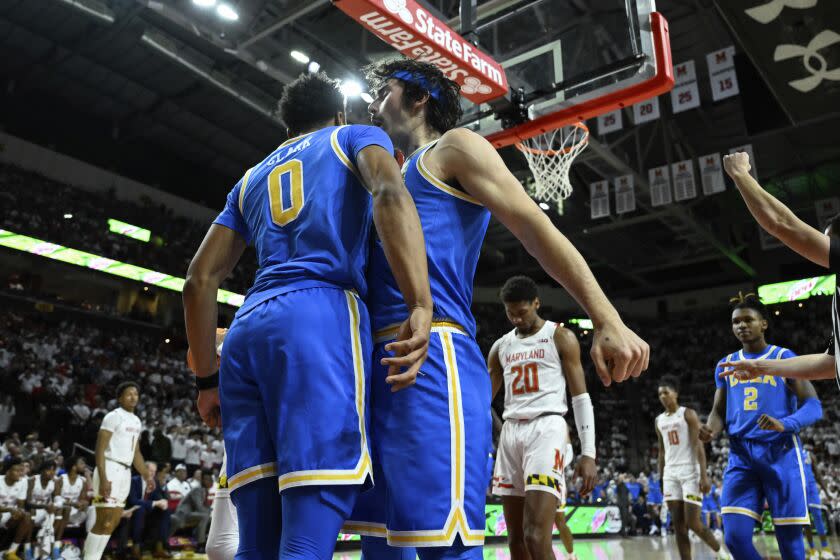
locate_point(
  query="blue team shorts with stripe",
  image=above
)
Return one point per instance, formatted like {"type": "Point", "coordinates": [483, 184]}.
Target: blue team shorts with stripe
{"type": "Point", "coordinates": [760, 470]}
{"type": "Point", "coordinates": [430, 446]}
{"type": "Point", "coordinates": [294, 382]}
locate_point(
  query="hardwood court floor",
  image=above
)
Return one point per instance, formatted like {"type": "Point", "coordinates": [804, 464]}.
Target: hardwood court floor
{"type": "Point", "coordinates": [641, 548]}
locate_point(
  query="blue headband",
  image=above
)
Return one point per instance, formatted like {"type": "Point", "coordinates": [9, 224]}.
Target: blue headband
{"type": "Point", "coordinates": [419, 80]}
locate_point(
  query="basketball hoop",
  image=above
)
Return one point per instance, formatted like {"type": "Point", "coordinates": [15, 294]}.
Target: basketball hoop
{"type": "Point", "coordinates": [550, 156]}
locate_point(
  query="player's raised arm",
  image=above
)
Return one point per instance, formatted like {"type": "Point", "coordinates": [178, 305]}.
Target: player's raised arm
{"type": "Point", "coordinates": [809, 366]}
{"type": "Point", "coordinates": [617, 351]}
{"type": "Point", "coordinates": [714, 424]}
{"type": "Point", "coordinates": [401, 234]}
{"type": "Point", "coordinates": [776, 218]}
{"type": "Point", "coordinates": [700, 451]}
{"type": "Point", "coordinates": [494, 368]}
{"type": "Point", "coordinates": [569, 350]}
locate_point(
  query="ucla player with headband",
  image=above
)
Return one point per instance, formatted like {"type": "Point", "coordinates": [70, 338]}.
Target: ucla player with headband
{"type": "Point", "coordinates": [431, 443]}
{"type": "Point", "coordinates": [763, 418]}
{"type": "Point", "coordinates": [294, 379]}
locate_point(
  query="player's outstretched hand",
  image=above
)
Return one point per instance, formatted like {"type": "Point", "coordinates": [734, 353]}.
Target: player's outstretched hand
{"type": "Point", "coordinates": [208, 407]}
{"type": "Point", "coordinates": [766, 422]}
{"type": "Point", "coordinates": [744, 370]}
{"type": "Point", "coordinates": [737, 164]}
{"type": "Point", "coordinates": [705, 434]}
{"type": "Point", "coordinates": [410, 349]}
{"type": "Point", "coordinates": [618, 353]}
{"type": "Point", "coordinates": [588, 473]}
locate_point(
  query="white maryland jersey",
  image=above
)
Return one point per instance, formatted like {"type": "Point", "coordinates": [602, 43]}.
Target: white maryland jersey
{"type": "Point", "coordinates": [678, 450]}
{"type": "Point", "coordinates": [534, 380]}
{"type": "Point", "coordinates": [125, 428]}
{"type": "Point", "coordinates": [42, 495]}
{"type": "Point", "coordinates": [71, 492]}
{"type": "Point", "coordinates": [10, 495]}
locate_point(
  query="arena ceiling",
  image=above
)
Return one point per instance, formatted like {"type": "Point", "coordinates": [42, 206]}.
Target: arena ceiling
{"type": "Point", "coordinates": [170, 94]}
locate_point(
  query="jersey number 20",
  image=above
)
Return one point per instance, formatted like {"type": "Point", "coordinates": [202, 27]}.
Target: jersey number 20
{"type": "Point", "coordinates": [280, 213]}
{"type": "Point", "coordinates": [526, 381]}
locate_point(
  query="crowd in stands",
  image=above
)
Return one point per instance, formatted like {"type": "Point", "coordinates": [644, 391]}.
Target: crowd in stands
{"type": "Point", "coordinates": [36, 206]}
{"type": "Point", "coordinates": [63, 374]}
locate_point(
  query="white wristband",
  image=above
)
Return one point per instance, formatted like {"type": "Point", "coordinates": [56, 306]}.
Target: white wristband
{"type": "Point", "coordinates": [585, 422]}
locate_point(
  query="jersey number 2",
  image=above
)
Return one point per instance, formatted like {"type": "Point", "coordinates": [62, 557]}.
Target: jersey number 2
{"type": "Point", "coordinates": [526, 381]}
{"type": "Point", "coordinates": [280, 213]}
{"type": "Point", "coordinates": [750, 396]}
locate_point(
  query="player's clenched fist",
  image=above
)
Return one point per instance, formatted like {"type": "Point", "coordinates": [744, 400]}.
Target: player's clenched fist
{"type": "Point", "coordinates": [706, 434]}
{"type": "Point", "coordinates": [737, 164]}
{"type": "Point", "coordinates": [618, 353]}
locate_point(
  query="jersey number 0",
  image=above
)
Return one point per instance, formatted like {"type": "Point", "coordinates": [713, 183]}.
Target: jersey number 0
{"type": "Point", "coordinates": [280, 213]}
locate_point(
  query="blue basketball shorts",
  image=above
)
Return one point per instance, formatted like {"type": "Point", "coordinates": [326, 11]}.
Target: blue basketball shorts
{"type": "Point", "coordinates": [761, 470]}
{"type": "Point", "coordinates": [430, 446]}
{"type": "Point", "coordinates": [812, 491]}
{"type": "Point", "coordinates": [294, 382]}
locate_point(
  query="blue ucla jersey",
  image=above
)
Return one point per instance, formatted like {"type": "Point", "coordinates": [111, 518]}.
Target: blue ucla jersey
{"type": "Point", "coordinates": [454, 224]}
{"type": "Point", "coordinates": [746, 401]}
{"type": "Point", "coordinates": [306, 213]}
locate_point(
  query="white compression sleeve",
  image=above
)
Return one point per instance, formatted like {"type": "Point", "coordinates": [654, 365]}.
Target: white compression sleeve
{"type": "Point", "coordinates": [585, 422]}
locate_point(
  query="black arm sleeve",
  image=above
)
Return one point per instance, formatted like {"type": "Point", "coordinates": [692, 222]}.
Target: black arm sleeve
{"type": "Point", "coordinates": [834, 255]}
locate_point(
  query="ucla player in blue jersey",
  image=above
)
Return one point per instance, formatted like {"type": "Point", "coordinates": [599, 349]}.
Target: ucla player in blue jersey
{"type": "Point", "coordinates": [431, 443]}
{"type": "Point", "coordinates": [295, 366]}
{"type": "Point", "coordinates": [763, 418]}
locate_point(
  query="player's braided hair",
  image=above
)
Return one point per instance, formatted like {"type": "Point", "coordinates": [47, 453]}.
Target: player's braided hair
{"type": "Point", "coordinates": [749, 301]}
{"type": "Point", "coordinates": [309, 102]}
{"type": "Point", "coordinates": [519, 288]}
{"type": "Point", "coordinates": [442, 113]}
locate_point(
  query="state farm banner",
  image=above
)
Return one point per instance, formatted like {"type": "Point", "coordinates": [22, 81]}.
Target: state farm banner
{"type": "Point", "coordinates": [660, 185]}
{"type": "Point", "coordinates": [599, 199]}
{"type": "Point", "coordinates": [685, 186]}
{"type": "Point", "coordinates": [610, 122]}
{"type": "Point", "coordinates": [685, 94]}
{"type": "Point", "coordinates": [625, 194]}
{"type": "Point", "coordinates": [413, 31]}
{"type": "Point", "coordinates": [711, 174]}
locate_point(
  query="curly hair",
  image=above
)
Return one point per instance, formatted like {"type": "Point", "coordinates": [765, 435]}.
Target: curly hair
{"type": "Point", "coordinates": [308, 102]}
{"type": "Point", "coordinates": [519, 288]}
{"type": "Point", "coordinates": [749, 301]}
{"type": "Point", "coordinates": [443, 110]}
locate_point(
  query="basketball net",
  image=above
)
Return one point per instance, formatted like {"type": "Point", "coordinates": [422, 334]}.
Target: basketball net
{"type": "Point", "coordinates": [550, 156]}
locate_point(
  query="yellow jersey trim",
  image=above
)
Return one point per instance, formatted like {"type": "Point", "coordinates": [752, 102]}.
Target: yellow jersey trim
{"type": "Point", "coordinates": [448, 189]}
{"type": "Point", "coordinates": [242, 189]}
{"type": "Point", "coordinates": [295, 139]}
{"type": "Point", "coordinates": [339, 152]}
{"type": "Point", "coordinates": [252, 474]}
{"type": "Point", "coordinates": [742, 511]}
{"type": "Point", "coordinates": [363, 468]}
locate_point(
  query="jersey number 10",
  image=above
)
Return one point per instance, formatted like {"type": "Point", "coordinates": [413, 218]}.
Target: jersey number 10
{"type": "Point", "coordinates": [674, 437]}
{"type": "Point", "coordinates": [527, 379]}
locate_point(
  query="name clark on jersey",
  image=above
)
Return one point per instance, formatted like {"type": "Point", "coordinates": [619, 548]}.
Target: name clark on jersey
{"type": "Point", "coordinates": [537, 353]}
